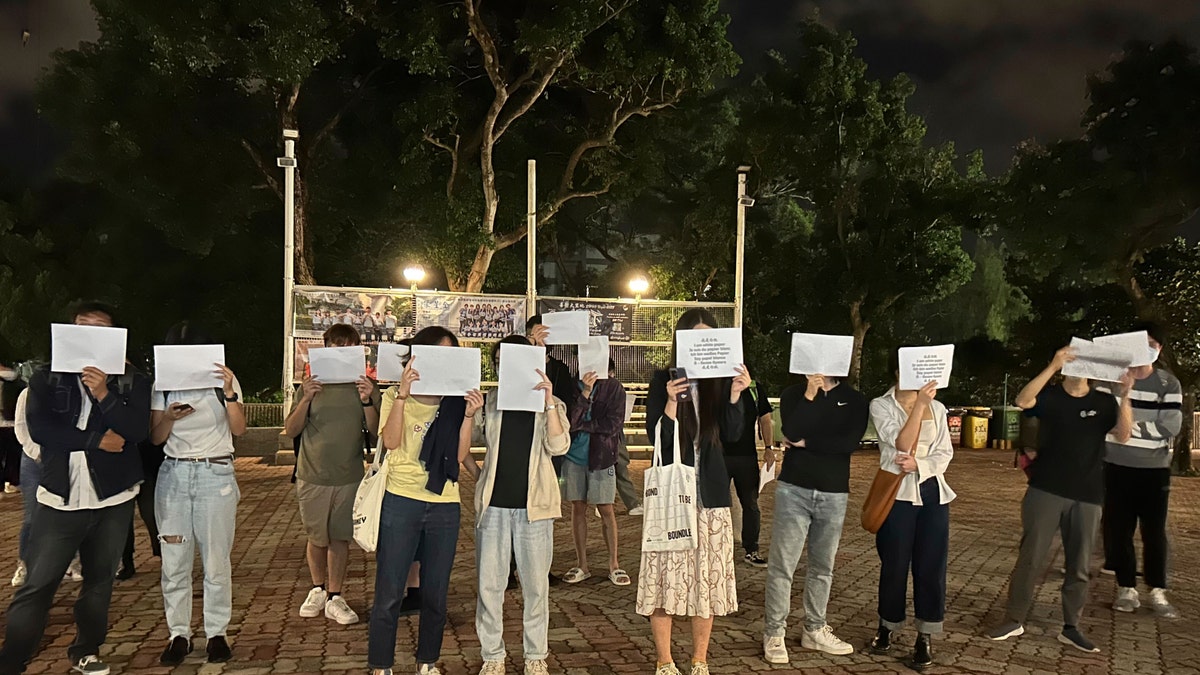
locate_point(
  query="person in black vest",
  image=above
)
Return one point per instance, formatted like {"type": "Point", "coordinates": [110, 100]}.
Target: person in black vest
{"type": "Point", "coordinates": [89, 426]}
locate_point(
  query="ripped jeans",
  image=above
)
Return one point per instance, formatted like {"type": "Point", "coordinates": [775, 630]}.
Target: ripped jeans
{"type": "Point", "coordinates": [196, 506]}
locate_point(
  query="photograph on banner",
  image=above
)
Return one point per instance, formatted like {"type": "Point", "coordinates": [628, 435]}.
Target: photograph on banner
{"type": "Point", "coordinates": [473, 317]}
{"type": "Point", "coordinates": [709, 352]}
{"type": "Point", "coordinates": [73, 348]}
{"type": "Point", "coordinates": [518, 376]}
{"type": "Point", "coordinates": [921, 365]}
{"type": "Point", "coordinates": [378, 315]}
{"type": "Point", "coordinates": [1136, 345]}
{"type": "Point", "coordinates": [814, 354]}
{"type": "Point", "coordinates": [303, 345]}
{"type": "Point", "coordinates": [611, 319]}
{"type": "Point", "coordinates": [1096, 362]}
{"type": "Point", "coordinates": [446, 371]}
{"type": "Point", "coordinates": [187, 367]}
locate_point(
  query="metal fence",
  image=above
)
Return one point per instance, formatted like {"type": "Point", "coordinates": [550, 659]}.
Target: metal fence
{"type": "Point", "coordinates": [264, 414]}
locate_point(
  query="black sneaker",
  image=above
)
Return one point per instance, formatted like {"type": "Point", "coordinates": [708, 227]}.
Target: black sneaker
{"type": "Point", "coordinates": [881, 644]}
{"type": "Point", "coordinates": [90, 665]}
{"type": "Point", "coordinates": [411, 604]}
{"type": "Point", "coordinates": [126, 572]}
{"type": "Point", "coordinates": [176, 651]}
{"type": "Point", "coordinates": [218, 650]}
{"type": "Point", "coordinates": [922, 656]}
{"type": "Point", "coordinates": [755, 560]}
{"type": "Point", "coordinates": [1071, 636]}
{"type": "Point", "coordinates": [555, 581]}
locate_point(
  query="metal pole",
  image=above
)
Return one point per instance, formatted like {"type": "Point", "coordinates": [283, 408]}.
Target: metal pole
{"type": "Point", "coordinates": [288, 162]}
{"type": "Point", "coordinates": [739, 271]}
{"type": "Point", "coordinates": [531, 241]}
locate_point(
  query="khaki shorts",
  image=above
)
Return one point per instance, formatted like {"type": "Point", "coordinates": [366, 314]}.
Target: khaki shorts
{"type": "Point", "coordinates": [327, 511]}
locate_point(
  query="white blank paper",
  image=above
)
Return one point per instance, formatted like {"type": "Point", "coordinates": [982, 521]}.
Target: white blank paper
{"type": "Point", "coordinates": [337, 365]}
{"type": "Point", "coordinates": [630, 402]}
{"type": "Point", "coordinates": [920, 365]}
{"type": "Point", "coordinates": [185, 367]}
{"type": "Point", "coordinates": [767, 473]}
{"type": "Point", "coordinates": [389, 364]}
{"type": "Point", "coordinates": [1096, 362]}
{"type": "Point", "coordinates": [445, 371]}
{"type": "Point", "coordinates": [567, 328]}
{"type": "Point", "coordinates": [593, 357]}
{"type": "Point", "coordinates": [73, 348]}
{"type": "Point", "coordinates": [518, 377]}
{"type": "Point", "coordinates": [1136, 345]}
{"type": "Point", "coordinates": [710, 352]}
{"type": "Point", "coordinates": [814, 354]}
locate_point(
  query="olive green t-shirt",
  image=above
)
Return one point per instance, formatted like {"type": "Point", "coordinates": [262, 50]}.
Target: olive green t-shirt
{"type": "Point", "coordinates": [331, 445]}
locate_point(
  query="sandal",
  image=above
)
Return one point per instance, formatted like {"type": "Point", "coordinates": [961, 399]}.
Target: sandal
{"type": "Point", "coordinates": [576, 575]}
{"type": "Point", "coordinates": [619, 577]}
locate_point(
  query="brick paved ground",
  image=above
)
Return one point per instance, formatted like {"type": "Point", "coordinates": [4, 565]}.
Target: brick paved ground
{"type": "Point", "coordinates": [594, 629]}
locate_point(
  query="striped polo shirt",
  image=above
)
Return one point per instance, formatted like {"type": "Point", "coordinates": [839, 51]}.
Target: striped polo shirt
{"type": "Point", "coordinates": [1157, 418]}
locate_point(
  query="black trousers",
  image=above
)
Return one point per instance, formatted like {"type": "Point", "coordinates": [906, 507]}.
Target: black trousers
{"type": "Point", "coordinates": [1133, 498]}
{"type": "Point", "coordinates": [10, 457]}
{"type": "Point", "coordinates": [744, 473]}
{"type": "Point", "coordinates": [914, 539]}
{"type": "Point", "coordinates": [97, 534]}
{"type": "Point", "coordinates": [145, 507]}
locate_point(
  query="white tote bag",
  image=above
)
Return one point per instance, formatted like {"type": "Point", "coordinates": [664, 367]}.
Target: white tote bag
{"type": "Point", "coordinates": [368, 501]}
{"type": "Point", "coordinates": [669, 522]}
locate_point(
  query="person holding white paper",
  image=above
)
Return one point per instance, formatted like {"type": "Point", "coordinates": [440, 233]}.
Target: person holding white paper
{"type": "Point", "coordinates": [1137, 477]}
{"type": "Point", "coordinates": [334, 423]}
{"type": "Point", "coordinates": [741, 460]}
{"type": "Point", "coordinates": [700, 583]}
{"type": "Point", "coordinates": [88, 426]}
{"type": "Point", "coordinates": [823, 421]}
{"type": "Point", "coordinates": [196, 501]}
{"type": "Point", "coordinates": [914, 440]}
{"type": "Point", "coordinates": [427, 439]}
{"type": "Point", "coordinates": [517, 499]}
{"type": "Point", "coordinates": [1066, 488]}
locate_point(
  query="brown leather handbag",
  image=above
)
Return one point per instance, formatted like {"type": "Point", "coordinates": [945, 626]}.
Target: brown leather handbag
{"type": "Point", "coordinates": [880, 499]}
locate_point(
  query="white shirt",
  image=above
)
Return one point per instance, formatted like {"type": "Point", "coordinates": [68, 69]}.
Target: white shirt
{"type": "Point", "coordinates": [204, 433]}
{"type": "Point", "coordinates": [83, 493]}
{"type": "Point", "coordinates": [934, 449]}
{"type": "Point", "coordinates": [22, 428]}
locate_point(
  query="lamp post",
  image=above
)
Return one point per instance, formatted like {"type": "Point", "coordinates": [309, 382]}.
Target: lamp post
{"type": "Point", "coordinates": [413, 275]}
{"type": "Point", "coordinates": [288, 164]}
{"type": "Point", "coordinates": [739, 271]}
{"type": "Point", "coordinates": [638, 285]}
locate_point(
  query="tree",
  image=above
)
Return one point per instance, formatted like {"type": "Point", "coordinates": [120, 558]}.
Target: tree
{"type": "Point", "coordinates": [887, 220]}
{"type": "Point", "coordinates": [556, 81]}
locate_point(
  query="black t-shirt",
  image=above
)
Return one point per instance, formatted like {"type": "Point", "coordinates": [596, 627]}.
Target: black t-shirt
{"type": "Point", "coordinates": [511, 488]}
{"type": "Point", "coordinates": [755, 406]}
{"type": "Point", "coordinates": [1071, 432]}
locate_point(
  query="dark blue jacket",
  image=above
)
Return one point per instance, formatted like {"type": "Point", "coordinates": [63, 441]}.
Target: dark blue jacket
{"type": "Point", "coordinates": [52, 412]}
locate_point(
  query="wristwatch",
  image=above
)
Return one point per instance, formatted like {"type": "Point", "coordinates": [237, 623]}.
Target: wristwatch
{"type": "Point", "coordinates": [234, 398]}
{"type": "Point", "coordinates": [367, 403]}
{"type": "Point", "coordinates": [550, 407]}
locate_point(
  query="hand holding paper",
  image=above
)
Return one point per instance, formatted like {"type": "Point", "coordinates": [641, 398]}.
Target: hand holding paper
{"type": "Point", "coordinates": [567, 328]}
{"type": "Point", "coordinates": [1096, 361]}
{"type": "Point", "coordinates": [921, 365]}
{"type": "Point", "coordinates": [73, 348]}
{"type": "Point", "coordinates": [337, 365]}
{"type": "Point", "coordinates": [709, 353]}
{"type": "Point", "coordinates": [520, 377]}
{"type": "Point", "coordinates": [765, 475]}
{"type": "Point", "coordinates": [187, 367]}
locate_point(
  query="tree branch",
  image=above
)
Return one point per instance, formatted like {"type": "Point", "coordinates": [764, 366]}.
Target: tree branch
{"type": "Point", "coordinates": [534, 94]}
{"type": "Point", "coordinates": [429, 138]}
{"type": "Point", "coordinates": [268, 175]}
{"type": "Point", "coordinates": [332, 123]}
{"type": "Point", "coordinates": [491, 56]}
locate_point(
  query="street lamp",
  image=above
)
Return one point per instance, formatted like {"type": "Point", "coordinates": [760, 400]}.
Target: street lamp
{"type": "Point", "coordinates": [639, 285]}
{"type": "Point", "coordinates": [414, 274]}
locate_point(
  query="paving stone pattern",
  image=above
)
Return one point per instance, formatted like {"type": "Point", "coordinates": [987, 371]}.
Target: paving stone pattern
{"type": "Point", "coordinates": [593, 627]}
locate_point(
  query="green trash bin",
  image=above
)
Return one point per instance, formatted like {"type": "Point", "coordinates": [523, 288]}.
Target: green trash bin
{"type": "Point", "coordinates": [1006, 424]}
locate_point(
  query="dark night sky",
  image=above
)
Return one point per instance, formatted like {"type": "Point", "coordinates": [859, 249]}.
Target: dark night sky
{"type": "Point", "coordinates": [989, 73]}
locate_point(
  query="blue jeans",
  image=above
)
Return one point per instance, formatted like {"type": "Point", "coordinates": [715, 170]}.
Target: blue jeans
{"type": "Point", "coordinates": [408, 527]}
{"type": "Point", "coordinates": [500, 533]}
{"type": "Point", "coordinates": [31, 478]}
{"type": "Point", "coordinates": [802, 515]}
{"type": "Point", "coordinates": [915, 538]}
{"type": "Point", "coordinates": [195, 504]}
{"type": "Point", "coordinates": [98, 535]}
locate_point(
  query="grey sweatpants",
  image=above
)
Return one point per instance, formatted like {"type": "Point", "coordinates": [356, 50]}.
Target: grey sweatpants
{"type": "Point", "coordinates": [1042, 515]}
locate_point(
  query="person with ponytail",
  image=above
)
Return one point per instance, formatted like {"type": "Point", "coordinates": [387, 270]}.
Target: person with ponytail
{"type": "Point", "coordinates": [697, 583]}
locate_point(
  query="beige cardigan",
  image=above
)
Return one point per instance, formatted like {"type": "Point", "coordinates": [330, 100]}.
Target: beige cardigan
{"type": "Point", "coordinates": [545, 498]}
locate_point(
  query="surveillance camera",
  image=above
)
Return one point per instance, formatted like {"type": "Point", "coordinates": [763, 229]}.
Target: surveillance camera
{"type": "Point", "coordinates": [745, 201]}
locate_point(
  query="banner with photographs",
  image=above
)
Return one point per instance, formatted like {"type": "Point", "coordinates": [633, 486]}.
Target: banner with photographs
{"type": "Point", "coordinates": [473, 317]}
{"type": "Point", "coordinates": [613, 319]}
{"type": "Point", "coordinates": [377, 315]}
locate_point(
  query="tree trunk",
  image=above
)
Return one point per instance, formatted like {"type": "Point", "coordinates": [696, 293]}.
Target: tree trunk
{"type": "Point", "coordinates": [478, 274]}
{"type": "Point", "coordinates": [860, 328]}
{"type": "Point", "coordinates": [1181, 463]}
{"type": "Point", "coordinates": [303, 253]}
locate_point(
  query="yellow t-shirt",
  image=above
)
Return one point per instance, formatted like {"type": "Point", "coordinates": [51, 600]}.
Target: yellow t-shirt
{"type": "Point", "coordinates": [407, 475]}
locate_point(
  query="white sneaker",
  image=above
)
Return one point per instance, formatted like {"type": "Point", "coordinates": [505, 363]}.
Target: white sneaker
{"type": "Point", "coordinates": [823, 640]}
{"type": "Point", "coordinates": [492, 668]}
{"type": "Point", "coordinates": [314, 603]}
{"type": "Point", "coordinates": [428, 669]}
{"type": "Point", "coordinates": [1158, 603]}
{"type": "Point", "coordinates": [10, 489]}
{"type": "Point", "coordinates": [775, 651]}
{"type": "Point", "coordinates": [637, 511]}
{"type": "Point", "coordinates": [20, 575]}
{"type": "Point", "coordinates": [537, 667]}
{"type": "Point", "coordinates": [339, 611]}
{"type": "Point", "coordinates": [668, 669]}
{"type": "Point", "coordinates": [700, 669]}
{"type": "Point", "coordinates": [1127, 600]}
{"type": "Point", "coordinates": [73, 573]}
{"type": "Point", "coordinates": [90, 665]}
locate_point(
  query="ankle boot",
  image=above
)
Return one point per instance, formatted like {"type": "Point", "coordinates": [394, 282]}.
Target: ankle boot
{"type": "Point", "coordinates": [922, 653]}
{"type": "Point", "coordinates": [882, 642]}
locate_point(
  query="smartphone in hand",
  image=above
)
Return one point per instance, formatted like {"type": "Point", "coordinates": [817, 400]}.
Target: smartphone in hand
{"type": "Point", "coordinates": [680, 374]}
